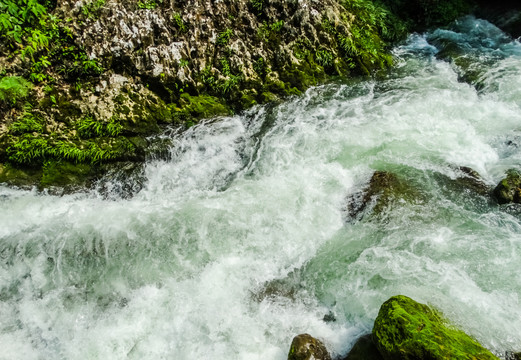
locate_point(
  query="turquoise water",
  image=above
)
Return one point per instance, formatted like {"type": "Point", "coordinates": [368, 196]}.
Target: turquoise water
{"type": "Point", "coordinates": [240, 240]}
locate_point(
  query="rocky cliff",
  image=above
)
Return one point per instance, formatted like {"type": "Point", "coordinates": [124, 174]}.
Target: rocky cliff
{"type": "Point", "coordinates": [82, 84]}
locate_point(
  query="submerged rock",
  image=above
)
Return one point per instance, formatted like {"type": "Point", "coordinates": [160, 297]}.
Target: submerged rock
{"type": "Point", "coordinates": [384, 190]}
{"type": "Point", "coordinates": [364, 349]}
{"type": "Point", "coordinates": [509, 189]}
{"type": "Point", "coordinates": [306, 347]}
{"type": "Point", "coordinates": [406, 329]}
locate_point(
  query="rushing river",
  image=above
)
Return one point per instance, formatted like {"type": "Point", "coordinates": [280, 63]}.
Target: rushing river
{"type": "Point", "coordinates": [241, 240]}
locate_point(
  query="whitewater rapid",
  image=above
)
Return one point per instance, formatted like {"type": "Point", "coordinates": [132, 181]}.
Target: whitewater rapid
{"type": "Point", "coordinates": [239, 241]}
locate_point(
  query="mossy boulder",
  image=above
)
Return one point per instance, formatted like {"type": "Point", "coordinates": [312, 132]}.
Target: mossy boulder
{"type": "Point", "coordinates": [25, 177]}
{"type": "Point", "coordinates": [509, 189]}
{"type": "Point", "coordinates": [385, 190]}
{"type": "Point", "coordinates": [364, 349]}
{"type": "Point", "coordinates": [407, 330]}
{"type": "Point", "coordinates": [306, 347]}
{"type": "Point", "coordinates": [191, 109]}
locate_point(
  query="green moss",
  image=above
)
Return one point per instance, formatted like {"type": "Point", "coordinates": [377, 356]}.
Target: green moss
{"type": "Point", "coordinates": [61, 173]}
{"type": "Point", "coordinates": [19, 177]}
{"type": "Point", "coordinates": [406, 329]}
{"type": "Point", "coordinates": [190, 109]}
{"type": "Point", "coordinates": [509, 189]}
{"type": "Point", "coordinates": [385, 190]}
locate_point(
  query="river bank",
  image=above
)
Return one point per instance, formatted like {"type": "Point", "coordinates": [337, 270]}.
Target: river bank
{"type": "Point", "coordinates": [84, 84]}
{"type": "Point", "coordinates": [240, 236]}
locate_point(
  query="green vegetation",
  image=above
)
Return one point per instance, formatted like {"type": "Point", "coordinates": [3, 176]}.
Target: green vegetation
{"type": "Point", "coordinates": [509, 189]}
{"type": "Point", "coordinates": [257, 6]}
{"type": "Point", "coordinates": [92, 9]}
{"type": "Point", "coordinates": [27, 123]}
{"type": "Point", "coordinates": [179, 23]}
{"type": "Point", "coordinates": [88, 127]}
{"type": "Point", "coordinates": [224, 37]}
{"type": "Point", "coordinates": [364, 46]}
{"type": "Point", "coordinates": [193, 108]}
{"type": "Point", "coordinates": [261, 68]}
{"type": "Point", "coordinates": [14, 89]}
{"type": "Point", "coordinates": [405, 329]}
{"type": "Point", "coordinates": [269, 32]}
{"type": "Point", "coordinates": [33, 150]}
{"type": "Point", "coordinates": [44, 42]}
{"type": "Point", "coordinates": [147, 4]}
{"type": "Point", "coordinates": [324, 58]}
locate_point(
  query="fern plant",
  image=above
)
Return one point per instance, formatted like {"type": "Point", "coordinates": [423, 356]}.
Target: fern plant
{"type": "Point", "coordinates": [27, 123]}
{"type": "Point", "coordinates": [14, 89]}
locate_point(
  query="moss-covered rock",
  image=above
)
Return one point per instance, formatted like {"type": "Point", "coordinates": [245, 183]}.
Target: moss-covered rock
{"type": "Point", "coordinates": [306, 347]}
{"type": "Point", "coordinates": [66, 175]}
{"type": "Point", "coordinates": [190, 109]}
{"type": "Point", "coordinates": [21, 177]}
{"type": "Point", "coordinates": [385, 189]}
{"type": "Point", "coordinates": [509, 189]}
{"type": "Point", "coordinates": [407, 330]}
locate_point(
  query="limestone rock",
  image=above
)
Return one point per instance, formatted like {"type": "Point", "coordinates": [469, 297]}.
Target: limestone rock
{"type": "Point", "coordinates": [306, 347]}
{"type": "Point", "coordinates": [407, 330]}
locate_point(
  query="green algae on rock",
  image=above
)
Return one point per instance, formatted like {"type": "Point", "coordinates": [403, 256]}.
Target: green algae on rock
{"type": "Point", "coordinates": [407, 330]}
{"type": "Point", "coordinates": [509, 189]}
{"type": "Point", "coordinates": [385, 189]}
{"type": "Point", "coordinates": [306, 347]}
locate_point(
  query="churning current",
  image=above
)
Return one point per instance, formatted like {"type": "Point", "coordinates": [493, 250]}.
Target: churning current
{"type": "Point", "coordinates": [240, 240]}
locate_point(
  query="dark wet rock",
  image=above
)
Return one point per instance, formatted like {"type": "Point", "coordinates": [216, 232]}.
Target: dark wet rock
{"type": "Point", "coordinates": [406, 329]}
{"type": "Point", "coordinates": [306, 347]}
{"type": "Point", "coordinates": [121, 181]}
{"type": "Point", "coordinates": [364, 349]}
{"type": "Point", "coordinates": [286, 287]}
{"type": "Point", "coordinates": [510, 355]}
{"type": "Point", "coordinates": [509, 189]}
{"type": "Point", "coordinates": [467, 182]}
{"type": "Point", "coordinates": [385, 190]}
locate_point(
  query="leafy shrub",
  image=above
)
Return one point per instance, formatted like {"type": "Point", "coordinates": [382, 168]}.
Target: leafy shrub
{"type": "Point", "coordinates": [14, 89]}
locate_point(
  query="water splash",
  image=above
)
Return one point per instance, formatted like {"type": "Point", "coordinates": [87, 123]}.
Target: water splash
{"type": "Point", "coordinates": [237, 242]}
